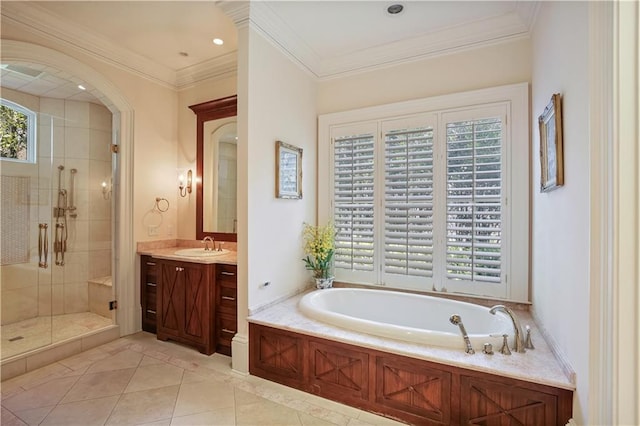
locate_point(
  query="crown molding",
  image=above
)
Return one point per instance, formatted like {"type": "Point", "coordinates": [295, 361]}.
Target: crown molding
{"type": "Point", "coordinates": [282, 36]}
{"type": "Point", "coordinates": [36, 19]}
{"type": "Point", "coordinates": [261, 17]}
{"type": "Point", "coordinates": [238, 11]}
{"type": "Point", "coordinates": [220, 67]}
{"type": "Point", "coordinates": [470, 35]}
{"type": "Point", "coordinates": [528, 12]}
{"type": "Point", "coordinates": [55, 28]}
{"type": "Point", "coordinates": [474, 35]}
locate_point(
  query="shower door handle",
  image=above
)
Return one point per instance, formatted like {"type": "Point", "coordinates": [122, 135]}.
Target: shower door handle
{"type": "Point", "coordinates": [59, 245]}
{"type": "Point", "coordinates": [43, 245]}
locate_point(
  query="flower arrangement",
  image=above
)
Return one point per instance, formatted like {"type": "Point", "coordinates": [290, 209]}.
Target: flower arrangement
{"type": "Point", "coordinates": [319, 246]}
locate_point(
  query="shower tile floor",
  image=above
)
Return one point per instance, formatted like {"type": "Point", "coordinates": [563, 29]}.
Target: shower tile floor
{"type": "Point", "coordinates": [139, 380]}
{"type": "Point", "coordinates": [42, 331]}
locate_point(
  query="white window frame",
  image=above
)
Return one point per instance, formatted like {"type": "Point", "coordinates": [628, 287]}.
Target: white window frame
{"type": "Point", "coordinates": [31, 131]}
{"type": "Point", "coordinates": [514, 99]}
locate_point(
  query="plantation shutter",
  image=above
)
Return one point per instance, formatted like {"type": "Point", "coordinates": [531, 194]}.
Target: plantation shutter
{"type": "Point", "coordinates": [474, 210]}
{"type": "Point", "coordinates": [353, 208]}
{"type": "Point", "coordinates": [408, 204]}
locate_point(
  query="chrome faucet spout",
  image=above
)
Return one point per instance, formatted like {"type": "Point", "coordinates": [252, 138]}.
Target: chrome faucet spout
{"type": "Point", "coordinates": [206, 241]}
{"type": "Point", "coordinates": [516, 325]}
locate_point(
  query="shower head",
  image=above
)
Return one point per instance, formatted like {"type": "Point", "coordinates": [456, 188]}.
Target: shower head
{"type": "Point", "coordinates": [455, 319]}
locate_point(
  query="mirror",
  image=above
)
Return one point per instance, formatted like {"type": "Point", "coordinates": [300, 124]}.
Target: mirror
{"type": "Point", "coordinates": [216, 142]}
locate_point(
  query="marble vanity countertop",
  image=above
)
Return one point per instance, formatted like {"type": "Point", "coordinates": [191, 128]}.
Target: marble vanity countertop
{"type": "Point", "coordinates": [538, 365]}
{"type": "Point", "coordinates": [167, 250]}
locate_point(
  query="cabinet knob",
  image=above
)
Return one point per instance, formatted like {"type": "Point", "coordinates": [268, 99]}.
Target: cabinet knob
{"type": "Point", "coordinates": [179, 268]}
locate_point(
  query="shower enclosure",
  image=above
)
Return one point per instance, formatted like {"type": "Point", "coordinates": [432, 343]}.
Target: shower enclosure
{"type": "Point", "coordinates": [56, 225]}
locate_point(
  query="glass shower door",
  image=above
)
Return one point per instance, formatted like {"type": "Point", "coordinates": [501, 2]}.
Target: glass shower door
{"type": "Point", "coordinates": [25, 260]}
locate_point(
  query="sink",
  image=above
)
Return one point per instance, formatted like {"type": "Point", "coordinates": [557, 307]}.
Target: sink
{"type": "Point", "coordinates": [199, 252]}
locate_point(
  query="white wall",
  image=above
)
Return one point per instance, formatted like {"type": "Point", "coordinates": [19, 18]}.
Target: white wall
{"type": "Point", "coordinates": [560, 219]}
{"type": "Point", "coordinates": [504, 63]}
{"type": "Point", "coordinates": [280, 105]}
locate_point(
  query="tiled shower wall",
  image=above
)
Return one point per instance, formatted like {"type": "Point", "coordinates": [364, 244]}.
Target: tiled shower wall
{"type": "Point", "coordinates": [76, 135]}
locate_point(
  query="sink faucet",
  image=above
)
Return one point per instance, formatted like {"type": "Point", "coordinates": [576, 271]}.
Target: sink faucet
{"type": "Point", "coordinates": [516, 325]}
{"type": "Point", "coordinates": [206, 240]}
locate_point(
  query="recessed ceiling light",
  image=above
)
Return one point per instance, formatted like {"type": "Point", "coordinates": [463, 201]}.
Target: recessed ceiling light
{"type": "Point", "coordinates": [218, 41]}
{"type": "Point", "coordinates": [81, 87]}
{"type": "Point", "coordinates": [395, 9]}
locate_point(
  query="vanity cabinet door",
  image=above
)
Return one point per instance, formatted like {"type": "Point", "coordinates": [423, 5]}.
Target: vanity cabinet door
{"type": "Point", "coordinates": [148, 293]}
{"type": "Point", "coordinates": [171, 318]}
{"type": "Point", "coordinates": [226, 306]}
{"type": "Point", "coordinates": [186, 304]}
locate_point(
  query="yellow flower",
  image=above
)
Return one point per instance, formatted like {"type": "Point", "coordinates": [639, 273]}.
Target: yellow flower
{"type": "Point", "coordinates": [319, 246]}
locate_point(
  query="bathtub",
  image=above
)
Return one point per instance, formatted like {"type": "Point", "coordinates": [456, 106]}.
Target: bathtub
{"type": "Point", "coordinates": [409, 317]}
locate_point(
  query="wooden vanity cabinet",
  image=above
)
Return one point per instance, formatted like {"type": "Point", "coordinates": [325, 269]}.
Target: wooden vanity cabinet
{"type": "Point", "coordinates": [226, 306]}
{"type": "Point", "coordinates": [186, 304]}
{"type": "Point", "coordinates": [148, 292]}
{"type": "Point", "coordinates": [189, 302]}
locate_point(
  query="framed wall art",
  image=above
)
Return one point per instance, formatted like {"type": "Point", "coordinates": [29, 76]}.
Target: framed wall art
{"type": "Point", "coordinates": [288, 171]}
{"type": "Point", "coordinates": [551, 152]}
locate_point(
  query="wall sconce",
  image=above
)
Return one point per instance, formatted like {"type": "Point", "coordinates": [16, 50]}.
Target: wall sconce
{"type": "Point", "coordinates": [106, 190]}
{"type": "Point", "coordinates": [185, 188]}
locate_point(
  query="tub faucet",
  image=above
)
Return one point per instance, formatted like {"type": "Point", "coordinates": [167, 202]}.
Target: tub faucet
{"type": "Point", "coordinates": [455, 319]}
{"type": "Point", "coordinates": [516, 325]}
{"type": "Point", "coordinates": [206, 240]}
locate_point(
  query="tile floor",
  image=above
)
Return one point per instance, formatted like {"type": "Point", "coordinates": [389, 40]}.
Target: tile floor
{"type": "Point", "coordinates": [42, 331]}
{"type": "Point", "coordinates": [138, 380]}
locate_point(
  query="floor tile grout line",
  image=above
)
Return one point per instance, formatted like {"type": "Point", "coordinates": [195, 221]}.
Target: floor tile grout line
{"type": "Point", "coordinates": [122, 393]}
{"type": "Point", "coordinates": [175, 402]}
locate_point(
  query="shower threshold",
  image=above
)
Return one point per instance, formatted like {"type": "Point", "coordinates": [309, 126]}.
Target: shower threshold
{"type": "Point", "coordinates": [34, 333]}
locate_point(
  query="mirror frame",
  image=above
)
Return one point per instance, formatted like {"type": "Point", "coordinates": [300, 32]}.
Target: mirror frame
{"type": "Point", "coordinates": [207, 111]}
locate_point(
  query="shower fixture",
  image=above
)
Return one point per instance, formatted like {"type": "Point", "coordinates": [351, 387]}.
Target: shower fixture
{"type": "Point", "coordinates": [64, 205]}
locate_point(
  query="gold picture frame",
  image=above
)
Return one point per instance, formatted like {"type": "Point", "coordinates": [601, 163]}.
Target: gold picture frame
{"type": "Point", "coordinates": [551, 150]}
{"type": "Point", "coordinates": [288, 171]}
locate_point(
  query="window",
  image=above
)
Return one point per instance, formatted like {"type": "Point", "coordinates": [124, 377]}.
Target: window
{"type": "Point", "coordinates": [431, 200]}
{"type": "Point", "coordinates": [17, 132]}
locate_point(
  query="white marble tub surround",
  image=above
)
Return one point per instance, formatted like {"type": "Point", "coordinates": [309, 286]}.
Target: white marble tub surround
{"type": "Point", "coordinates": [412, 317]}
{"type": "Point", "coordinates": [538, 365]}
{"type": "Point", "coordinates": [166, 249]}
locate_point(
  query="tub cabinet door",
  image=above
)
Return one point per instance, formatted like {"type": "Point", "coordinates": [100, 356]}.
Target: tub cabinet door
{"type": "Point", "coordinates": [276, 356]}
{"type": "Point", "coordinates": [413, 390]}
{"type": "Point", "coordinates": [491, 402]}
{"type": "Point", "coordinates": [338, 372]}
